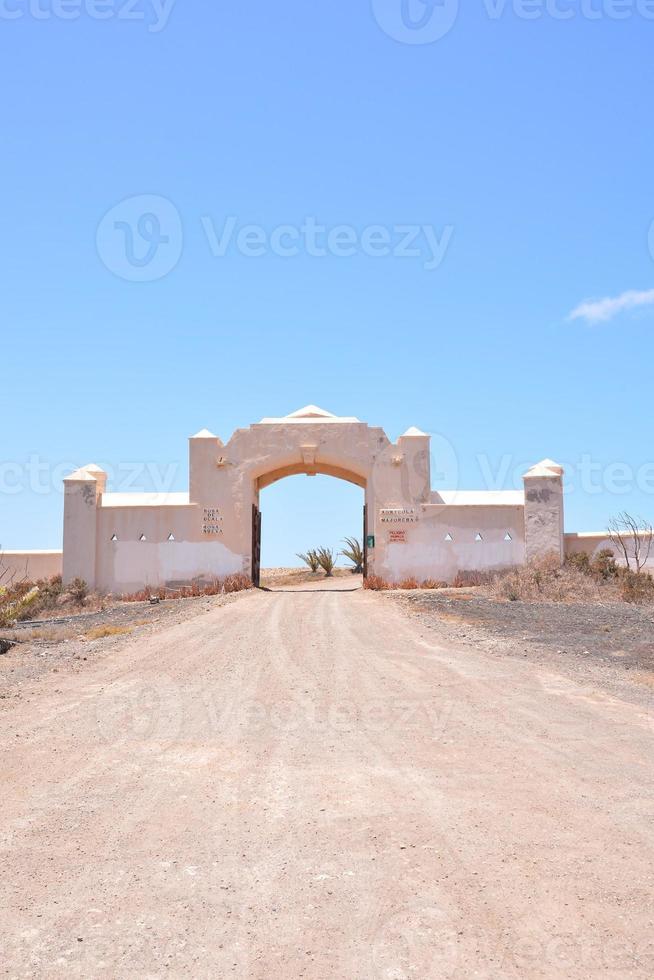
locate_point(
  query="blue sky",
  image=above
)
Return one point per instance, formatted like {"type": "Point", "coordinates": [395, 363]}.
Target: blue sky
{"type": "Point", "coordinates": [523, 145]}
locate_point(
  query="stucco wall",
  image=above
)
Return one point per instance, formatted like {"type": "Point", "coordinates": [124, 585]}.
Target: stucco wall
{"type": "Point", "coordinates": [123, 542]}
{"type": "Point", "coordinates": [591, 543]}
{"type": "Point", "coordinates": [129, 563]}
{"type": "Point", "coordinates": [428, 551]}
{"type": "Point", "coordinates": [30, 565]}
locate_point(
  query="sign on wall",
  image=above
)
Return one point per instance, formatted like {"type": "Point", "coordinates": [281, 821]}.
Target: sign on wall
{"type": "Point", "coordinates": [398, 515]}
{"type": "Point", "coordinates": [397, 537]}
{"type": "Point", "coordinates": [212, 521]}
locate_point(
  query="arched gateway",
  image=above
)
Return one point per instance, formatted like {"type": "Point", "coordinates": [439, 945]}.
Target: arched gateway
{"type": "Point", "coordinates": [121, 542]}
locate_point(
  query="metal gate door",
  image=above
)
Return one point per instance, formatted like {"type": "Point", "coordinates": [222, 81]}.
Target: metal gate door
{"type": "Point", "coordinates": [256, 546]}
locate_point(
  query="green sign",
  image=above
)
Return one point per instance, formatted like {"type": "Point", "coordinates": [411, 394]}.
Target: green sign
{"type": "Point", "coordinates": [370, 541]}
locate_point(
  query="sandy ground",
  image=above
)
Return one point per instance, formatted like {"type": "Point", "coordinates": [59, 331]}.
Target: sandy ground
{"type": "Point", "coordinates": [314, 783]}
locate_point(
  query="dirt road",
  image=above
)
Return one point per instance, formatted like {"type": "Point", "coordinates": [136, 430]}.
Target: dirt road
{"type": "Point", "coordinates": [304, 784]}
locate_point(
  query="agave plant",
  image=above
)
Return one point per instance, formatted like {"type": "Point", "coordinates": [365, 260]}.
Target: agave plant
{"type": "Point", "coordinates": [16, 609]}
{"type": "Point", "coordinates": [354, 553]}
{"type": "Point", "coordinates": [310, 559]}
{"type": "Point", "coordinates": [326, 560]}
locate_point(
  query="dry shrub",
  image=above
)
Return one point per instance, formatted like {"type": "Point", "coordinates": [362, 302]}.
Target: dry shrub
{"type": "Point", "coordinates": [236, 583]}
{"type": "Point", "coordinates": [379, 584]}
{"type": "Point", "coordinates": [546, 580]}
{"type": "Point", "coordinates": [218, 586]}
{"type": "Point", "coordinates": [579, 579]}
{"type": "Point", "coordinates": [468, 578]}
{"type": "Point", "coordinates": [78, 591]}
{"type": "Point", "coordinates": [45, 595]}
{"type": "Point", "coordinates": [636, 586]}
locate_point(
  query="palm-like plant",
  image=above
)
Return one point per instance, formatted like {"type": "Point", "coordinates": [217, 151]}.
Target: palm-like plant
{"type": "Point", "coordinates": [11, 610]}
{"type": "Point", "coordinates": [326, 560]}
{"type": "Point", "coordinates": [310, 559]}
{"type": "Point", "coordinates": [354, 553]}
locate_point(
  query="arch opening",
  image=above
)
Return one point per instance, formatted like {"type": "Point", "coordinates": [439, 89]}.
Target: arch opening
{"type": "Point", "coordinates": [298, 511]}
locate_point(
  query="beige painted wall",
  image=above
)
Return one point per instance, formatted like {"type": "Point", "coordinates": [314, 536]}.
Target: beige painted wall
{"type": "Point", "coordinates": [122, 542]}
{"type": "Point", "coordinates": [428, 552]}
{"type": "Point", "coordinates": [591, 543]}
{"type": "Point", "coordinates": [29, 565]}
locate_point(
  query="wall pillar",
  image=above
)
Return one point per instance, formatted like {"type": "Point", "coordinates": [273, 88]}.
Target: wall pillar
{"type": "Point", "coordinates": [83, 490]}
{"type": "Point", "coordinates": [544, 511]}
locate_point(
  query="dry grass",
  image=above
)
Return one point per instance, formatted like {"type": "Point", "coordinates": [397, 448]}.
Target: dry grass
{"type": "Point", "coordinates": [100, 632]}
{"type": "Point", "coordinates": [50, 635]}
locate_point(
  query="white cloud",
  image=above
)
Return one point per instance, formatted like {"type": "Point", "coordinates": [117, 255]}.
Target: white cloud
{"type": "Point", "coordinates": [600, 310]}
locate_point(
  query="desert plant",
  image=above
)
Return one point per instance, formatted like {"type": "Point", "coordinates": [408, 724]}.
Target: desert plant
{"type": "Point", "coordinates": [375, 583]}
{"type": "Point", "coordinates": [78, 590]}
{"type": "Point", "coordinates": [408, 583]}
{"type": "Point", "coordinates": [604, 565]}
{"type": "Point", "coordinates": [580, 561]}
{"type": "Point", "coordinates": [636, 586]}
{"type": "Point", "coordinates": [432, 583]}
{"type": "Point", "coordinates": [310, 559]}
{"type": "Point", "coordinates": [326, 560]}
{"type": "Point", "coordinates": [633, 537]}
{"type": "Point", "coordinates": [354, 553]}
{"type": "Point", "coordinates": [51, 589]}
{"type": "Point", "coordinates": [17, 607]}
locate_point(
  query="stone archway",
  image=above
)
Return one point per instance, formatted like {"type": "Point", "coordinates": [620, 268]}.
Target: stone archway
{"type": "Point", "coordinates": [309, 441]}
